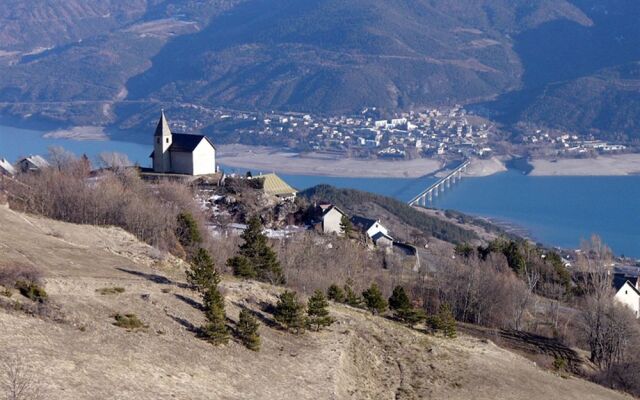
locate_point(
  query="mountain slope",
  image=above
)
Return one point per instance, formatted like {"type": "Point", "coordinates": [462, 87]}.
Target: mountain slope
{"type": "Point", "coordinates": [83, 355]}
{"type": "Point", "coordinates": [49, 23]}
{"type": "Point", "coordinates": [581, 78]}
{"type": "Point", "coordinates": [116, 62]}
{"type": "Point", "coordinates": [320, 55]}
{"type": "Point", "coordinates": [336, 56]}
{"type": "Point", "coordinates": [70, 62]}
{"type": "Point", "coordinates": [608, 101]}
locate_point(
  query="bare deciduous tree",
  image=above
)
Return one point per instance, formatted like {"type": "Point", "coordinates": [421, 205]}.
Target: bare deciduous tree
{"type": "Point", "coordinates": [17, 381]}
{"type": "Point", "coordinates": [524, 297]}
{"type": "Point", "coordinates": [59, 157]}
{"type": "Point", "coordinates": [606, 325]}
{"type": "Point", "coordinates": [114, 161]}
{"type": "Point", "coordinates": [118, 198]}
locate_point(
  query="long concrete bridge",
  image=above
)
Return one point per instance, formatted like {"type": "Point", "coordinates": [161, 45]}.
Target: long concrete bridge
{"type": "Point", "coordinates": [439, 187]}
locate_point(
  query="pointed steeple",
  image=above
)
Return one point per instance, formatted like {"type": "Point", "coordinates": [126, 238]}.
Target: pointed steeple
{"type": "Point", "coordinates": [163, 126]}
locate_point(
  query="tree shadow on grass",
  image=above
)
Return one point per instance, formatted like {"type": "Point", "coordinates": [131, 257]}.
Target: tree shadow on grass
{"type": "Point", "coordinates": [266, 307]}
{"type": "Point", "coordinates": [162, 280]}
{"type": "Point", "coordinates": [188, 325]}
{"type": "Point", "coordinates": [195, 304]}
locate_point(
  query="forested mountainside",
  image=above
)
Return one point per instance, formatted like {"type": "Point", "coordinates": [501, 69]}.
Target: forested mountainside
{"type": "Point", "coordinates": [112, 62]}
{"type": "Point", "coordinates": [606, 103]}
{"type": "Point", "coordinates": [580, 77]}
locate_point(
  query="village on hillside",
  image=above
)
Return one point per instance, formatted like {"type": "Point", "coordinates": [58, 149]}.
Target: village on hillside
{"type": "Point", "coordinates": [447, 133]}
{"type": "Point", "coordinates": [230, 200]}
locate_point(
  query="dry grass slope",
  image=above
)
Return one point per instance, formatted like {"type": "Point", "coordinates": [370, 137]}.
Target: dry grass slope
{"type": "Point", "coordinates": [360, 357]}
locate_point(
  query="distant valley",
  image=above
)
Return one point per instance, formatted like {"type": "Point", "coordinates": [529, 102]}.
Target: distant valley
{"type": "Point", "coordinates": [569, 64]}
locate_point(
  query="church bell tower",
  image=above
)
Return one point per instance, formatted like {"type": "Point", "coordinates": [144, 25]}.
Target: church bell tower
{"type": "Point", "coordinates": [162, 139]}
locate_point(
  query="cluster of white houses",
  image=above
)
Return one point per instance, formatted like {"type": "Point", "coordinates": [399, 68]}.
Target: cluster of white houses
{"type": "Point", "coordinates": [24, 164]}
{"type": "Point", "coordinates": [332, 222]}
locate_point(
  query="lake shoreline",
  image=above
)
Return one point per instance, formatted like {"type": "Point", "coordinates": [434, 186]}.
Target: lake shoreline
{"type": "Point", "coordinates": [613, 165]}
{"type": "Point", "coordinates": [264, 159]}
{"type": "Point", "coordinates": [267, 159]}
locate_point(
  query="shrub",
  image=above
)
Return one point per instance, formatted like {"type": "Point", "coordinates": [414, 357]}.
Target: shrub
{"type": "Point", "coordinates": [242, 267]}
{"type": "Point", "coordinates": [10, 275]}
{"type": "Point", "coordinates": [247, 330]}
{"type": "Point", "coordinates": [118, 198]}
{"type": "Point", "coordinates": [110, 290]}
{"type": "Point", "coordinates": [215, 329]}
{"type": "Point", "coordinates": [129, 322]}
{"type": "Point", "coordinates": [346, 226]}
{"type": "Point", "coordinates": [317, 311]}
{"type": "Point", "coordinates": [335, 293]}
{"type": "Point", "coordinates": [411, 316]}
{"type": "Point", "coordinates": [202, 273]}
{"type": "Point", "coordinates": [289, 312]}
{"type": "Point", "coordinates": [464, 250]}
{"type": "Point", "coordinates": [373, 299]}
{"type": "Point", "coordinates": [433, 321]}
{"type": "Point", "coordinates": [32, 291]}
{"type": "Point", "coordinates": [559, 364]}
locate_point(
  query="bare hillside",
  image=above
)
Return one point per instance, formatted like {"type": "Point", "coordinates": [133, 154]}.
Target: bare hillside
{"type": "Point", "coordinates": [80, 354]}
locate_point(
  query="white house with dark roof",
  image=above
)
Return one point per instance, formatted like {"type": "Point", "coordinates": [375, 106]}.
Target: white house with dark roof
{"type": "Point", "coordinates": [179, 153]}
{"type": "Point", "coordinates": [6, 168]}
{"type": "Point", "coordinates": [32, 164]}
{"type": "Point", "coordinates": [627, 286]}
{"type": "Point", "coordinates": [332, 219]}
{"type": "Point", "coordinates": [371, 227]}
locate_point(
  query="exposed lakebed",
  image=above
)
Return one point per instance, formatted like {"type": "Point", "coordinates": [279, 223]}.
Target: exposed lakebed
{"type": "Point", "coordinates": [557, 211]}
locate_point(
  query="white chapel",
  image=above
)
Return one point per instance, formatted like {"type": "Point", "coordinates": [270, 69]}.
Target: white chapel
{"type": "Point", "coordinates": [179, 153]}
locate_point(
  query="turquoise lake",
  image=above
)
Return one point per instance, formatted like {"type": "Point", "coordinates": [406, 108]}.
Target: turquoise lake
{"type": "Point", "coordinates": [557, 211]}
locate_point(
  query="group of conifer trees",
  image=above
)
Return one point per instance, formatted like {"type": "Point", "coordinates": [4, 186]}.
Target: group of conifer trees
{"type": "Point", "coordinates": [203, 277]}
{"type": "Point", "coordinates": [399, 303]}
{"type": "Point", "coordinates": [290, 312]}
{"type": "Point", "coordinates": [257, 260]}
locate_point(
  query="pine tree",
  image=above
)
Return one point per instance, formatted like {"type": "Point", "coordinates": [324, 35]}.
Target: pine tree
{"type": "Point", "coordinates": [346, 226]}
{"type": "Point", "coordinates": [257, 250]}
{"type": "Point", "coordinates": [242, 267]}
{"type": "Point", "coordinates": [202, 273]}
{"type": "Point", "coordinates": [350, 296]}
{"type": "Point", "coordinates": [254, 239]}
{"type": "Point", "coordinates": [289, 312]}
{"type": "Point", "coordinates": [335, 293]}
{"type": "Point", "coordinates": [447, 321]}
{"type": "Point", "coordinates": [411, 316]}
{"type": "Point", "coordinates": [187, 231]}
{"type": "Point", "coordinates": [318, 312]}
{"type": "Point", "coordinates": [374, 300]}
{"type": "Point", "coordinates": [399, 299]}
{"type": "Point", "coordinates": [269, 269]}
{"type": "Point", "coordinates": [215, 329]}
{"type": "Point", "coordinates": [247, 330]}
